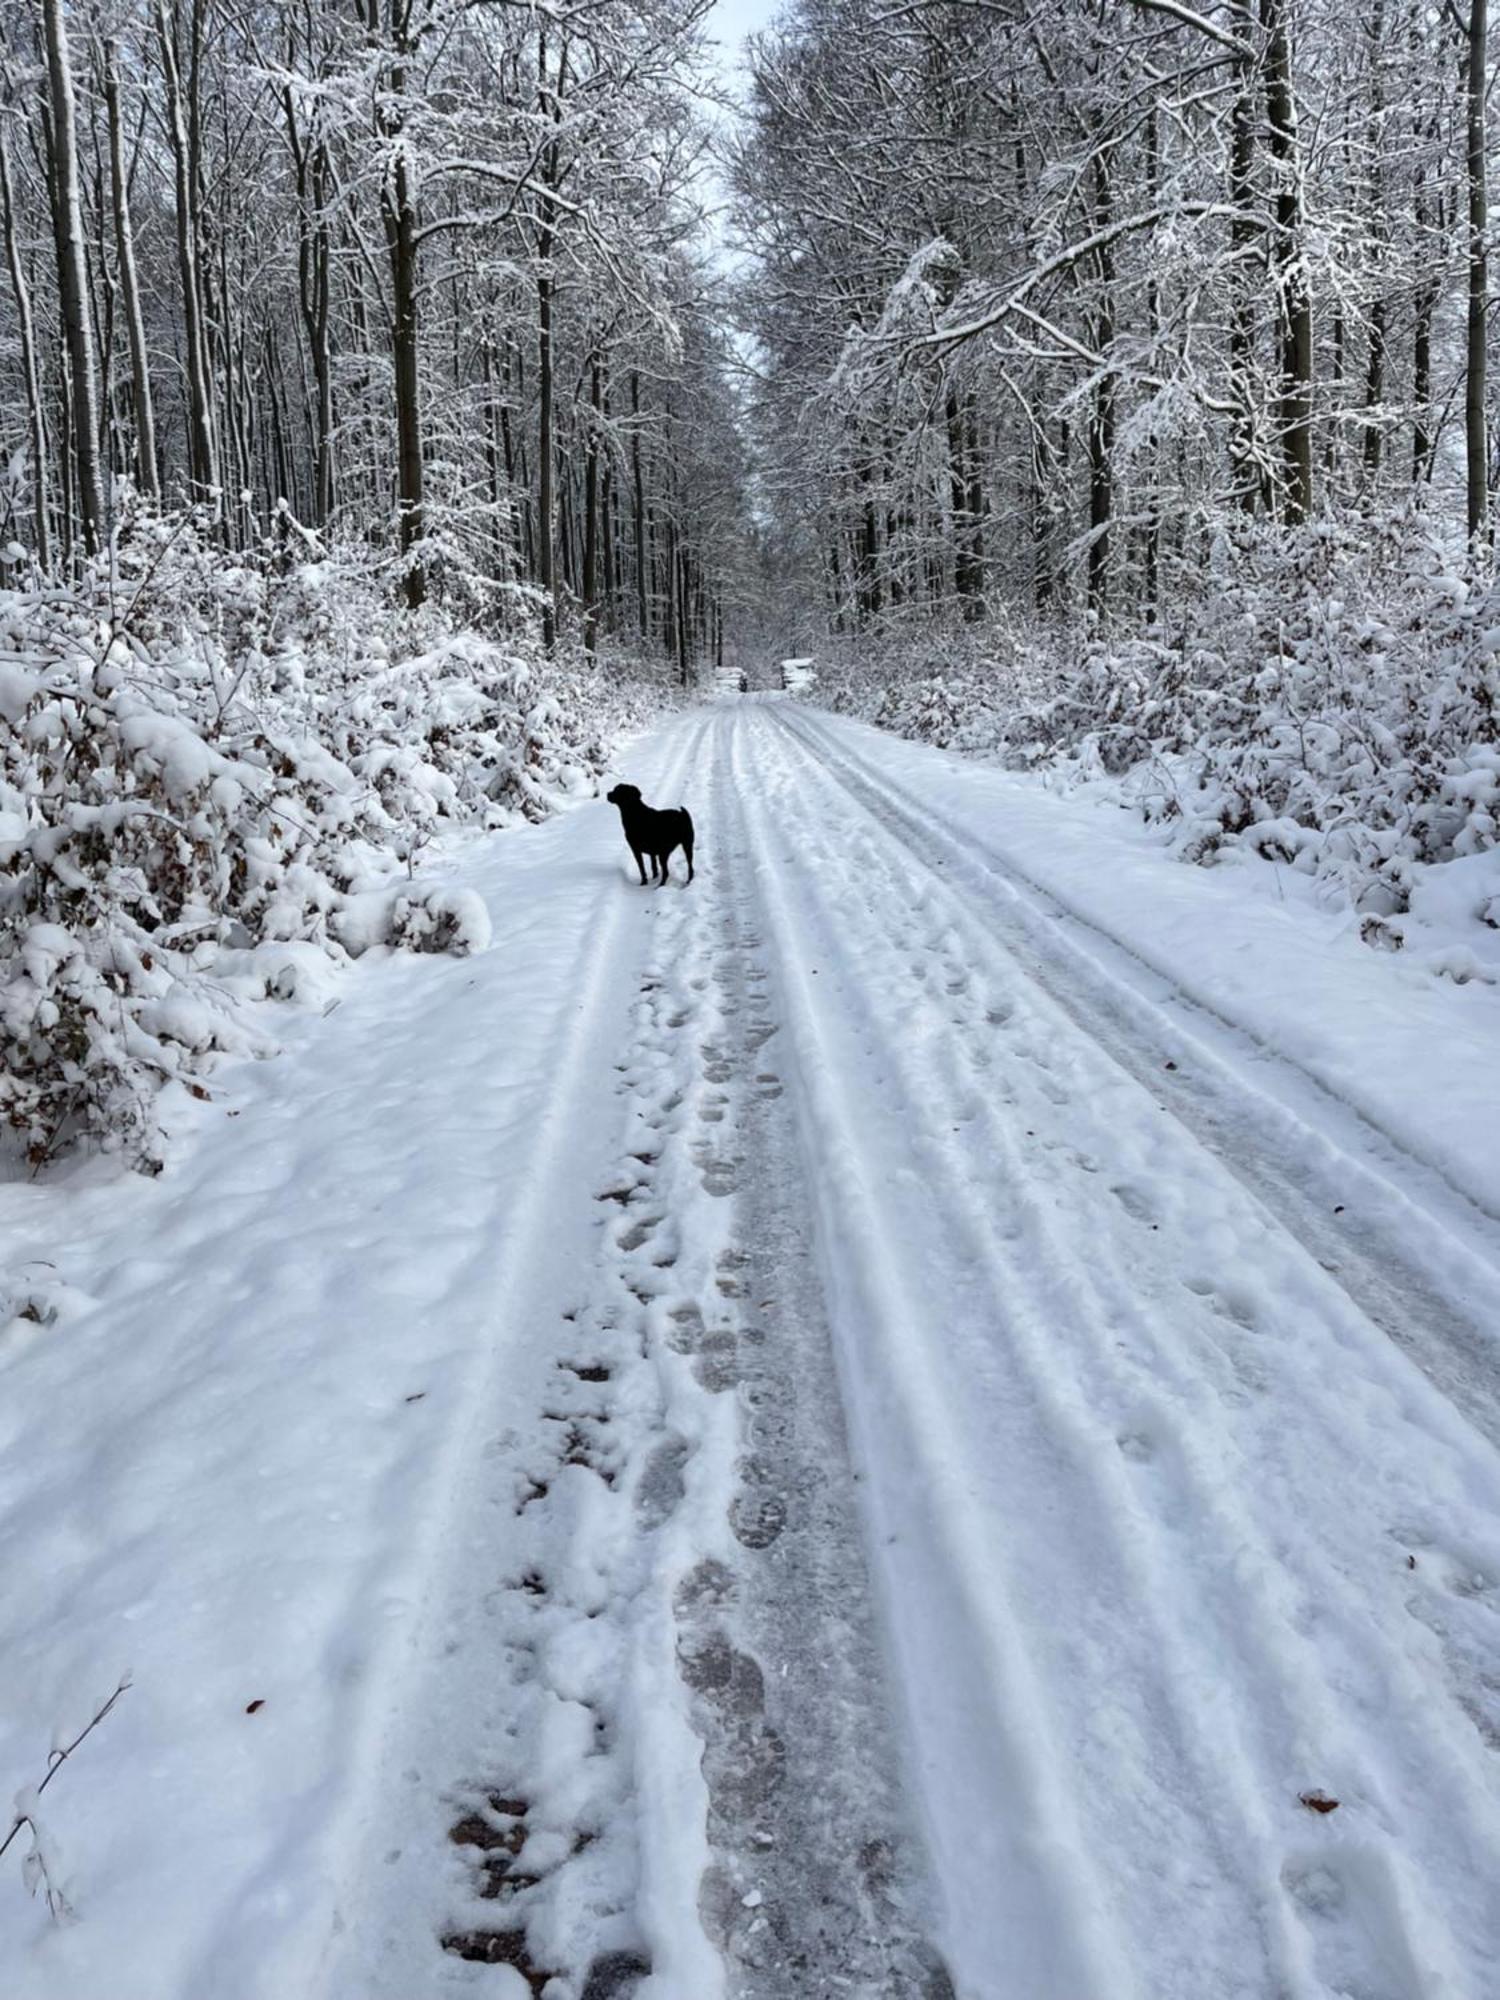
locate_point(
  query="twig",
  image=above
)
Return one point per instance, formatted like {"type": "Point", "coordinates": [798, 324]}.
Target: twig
{"type": "Point", "coordinates": [60, 1757]}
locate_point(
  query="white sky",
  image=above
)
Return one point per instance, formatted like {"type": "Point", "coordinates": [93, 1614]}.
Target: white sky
{"type": "Point", "coordinates": [730, 22]}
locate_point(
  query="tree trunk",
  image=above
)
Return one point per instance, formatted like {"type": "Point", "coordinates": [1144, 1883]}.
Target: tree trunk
{"type": "Point", "coordinates": [684, 660]}
{"type": "Point", "coordinates": [1375, 355]}
{"type": "Point", "coordinates": [72, 279]}
{"type": "Point", "coordinates": [1102, 414]}
{"type": "Point", "coordinates": [1150, 533]}
{"type": "Point", "coordinates": [130, 290]}
{"type": "Point", "coordinates": [315, 296]}
{"type": "Point", "coordinates": [964, 491]}
{"type": "Point", "coordinates": [1041, 522]}
{"type": "Point", "coordinates": [1425, 307]}
{"type": "Point", "coordinates": [609, 523]}
{"type": "Point", "coordinates": [591, 508]}
{"type": "Point", "coordinates": [1295, 402]}
{"type": "Point", "coordinates": [643, 608]}
{"type": "Point", "coordinates": [545, 244]}
{"type": "Point", "coordinates": [1246, 477]}
{"type": "Point", "coordinates": [1476, 438]}
{"type": "Point", "coordinates": [669, 592]}
{"type": "Point", "coordinates": [400, 218]}
{"type": "Point", "coordinates": [546, 542]}
{"type": "Point", "coordinates": [203, 470]}
{"type": "Point", "coordinates": [36, 419]}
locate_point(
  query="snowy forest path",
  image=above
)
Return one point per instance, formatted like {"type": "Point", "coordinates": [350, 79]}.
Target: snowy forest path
{"type": "Point", "coordinates": [963, 1489]}
{"type": "Point", "coordinates": [648, 1720]}
{"type": "Point", "coordinates": [822, 1432]}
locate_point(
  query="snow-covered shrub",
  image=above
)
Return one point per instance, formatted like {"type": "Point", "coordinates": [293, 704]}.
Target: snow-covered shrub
{"type": "Point", "coordinates": [206, 758]}
{"type": "Point", "coordinates": [1330, 700]}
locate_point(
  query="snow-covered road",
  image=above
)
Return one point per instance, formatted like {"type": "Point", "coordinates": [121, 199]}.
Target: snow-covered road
{"type": "Point", "coordinates": [873, 1427]}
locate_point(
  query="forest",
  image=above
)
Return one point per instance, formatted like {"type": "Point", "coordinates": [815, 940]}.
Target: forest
{"type": "Point", "coordinates": [398, 396]}
{"type": "Point", "coordinates": [749, 990]}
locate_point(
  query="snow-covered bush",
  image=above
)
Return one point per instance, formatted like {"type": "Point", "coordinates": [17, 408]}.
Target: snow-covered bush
{"type": "Point", "coordinates": [1331, 700]}
{"type": "Point", "coordinates": [206, 761]}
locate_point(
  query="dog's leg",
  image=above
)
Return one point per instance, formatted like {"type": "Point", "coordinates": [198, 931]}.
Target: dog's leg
{"type": "Point", "coordinates": [640, 862]}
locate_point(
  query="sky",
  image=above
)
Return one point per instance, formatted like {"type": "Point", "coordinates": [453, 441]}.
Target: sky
{"type": "Point", "coordinates": [730, 22]}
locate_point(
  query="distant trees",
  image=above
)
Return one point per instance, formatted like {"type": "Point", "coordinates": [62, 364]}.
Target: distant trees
{"type": "Point", "coordinates": [416, 274]}
{"type": "Point", "coordinates": [1047, 295]}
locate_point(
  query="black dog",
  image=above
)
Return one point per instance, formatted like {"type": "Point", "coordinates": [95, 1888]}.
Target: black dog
{"type": "Point", "coordinates": [657, 834]}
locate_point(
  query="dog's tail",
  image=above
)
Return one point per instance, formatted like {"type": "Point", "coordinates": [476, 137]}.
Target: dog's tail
{"type": "Point", "coordinates": [687, 839]}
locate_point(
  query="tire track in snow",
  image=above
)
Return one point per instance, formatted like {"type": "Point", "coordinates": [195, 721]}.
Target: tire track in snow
{"type": "Point", "coordinates": [1429, 1285]}
{"type": "Point", "coordinates": [816, 1883]}
{"type": "Point", "coordinates": [1355, 1909]}
{"type": "Point", "coordinates": [968, 1565]}
{"type": "Point", "coordinates": [1347, 1190]}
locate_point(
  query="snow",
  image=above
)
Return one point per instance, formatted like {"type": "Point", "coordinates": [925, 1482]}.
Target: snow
{"type": "Point", "coordinates": [1327, 701]}
{"type": "Point", "coordinates": [223, 1469]}
{"type": "Point", "coordinates": [920, 1396]}
{"type": "Point", "coordinates": [1249, 945]}
{"type": "Point", "coordinates": [168, 787]}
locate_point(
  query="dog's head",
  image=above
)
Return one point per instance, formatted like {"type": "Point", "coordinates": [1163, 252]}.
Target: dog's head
{"type": "Point", "coordinates": [624, 795]}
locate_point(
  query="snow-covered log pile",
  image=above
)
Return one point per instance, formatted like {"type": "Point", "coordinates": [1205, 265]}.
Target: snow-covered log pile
{"type": "Point", "coordinates": [1333, 703]}
{"type": "Point", "coordinates": [218, 777]}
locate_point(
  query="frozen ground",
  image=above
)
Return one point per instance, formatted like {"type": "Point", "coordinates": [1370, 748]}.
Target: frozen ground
{"type": "Point", "coordinates": [872, 1427]}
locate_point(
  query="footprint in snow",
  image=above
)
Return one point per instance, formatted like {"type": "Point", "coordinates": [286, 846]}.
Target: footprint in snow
{"type": "Point", "coordinates": [662, 1483]}
{"type": "Point", "coordinates": [638, 1234]}
{"type": "Point", "coordinates": [716, 1367]}
{"type": "Point", "coordinates": [1315, 1889]}
{"type": "Point", "coordinates": [615, 1975]}
{"type": "Point", "coordinates": [688, 1329]}
{"type": "Point", "coordinates": [757, 1520]}
{"type": "Point", "coordinates": [1134, 1202]}
{"type": "Point", "coordinates": [733, 1680]}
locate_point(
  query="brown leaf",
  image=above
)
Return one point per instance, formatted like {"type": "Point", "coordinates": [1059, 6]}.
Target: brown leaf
{"type": "Point", "coordinates": [1318, 1802]}
{"type": "Point", "coordinates": [252, 1706]}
